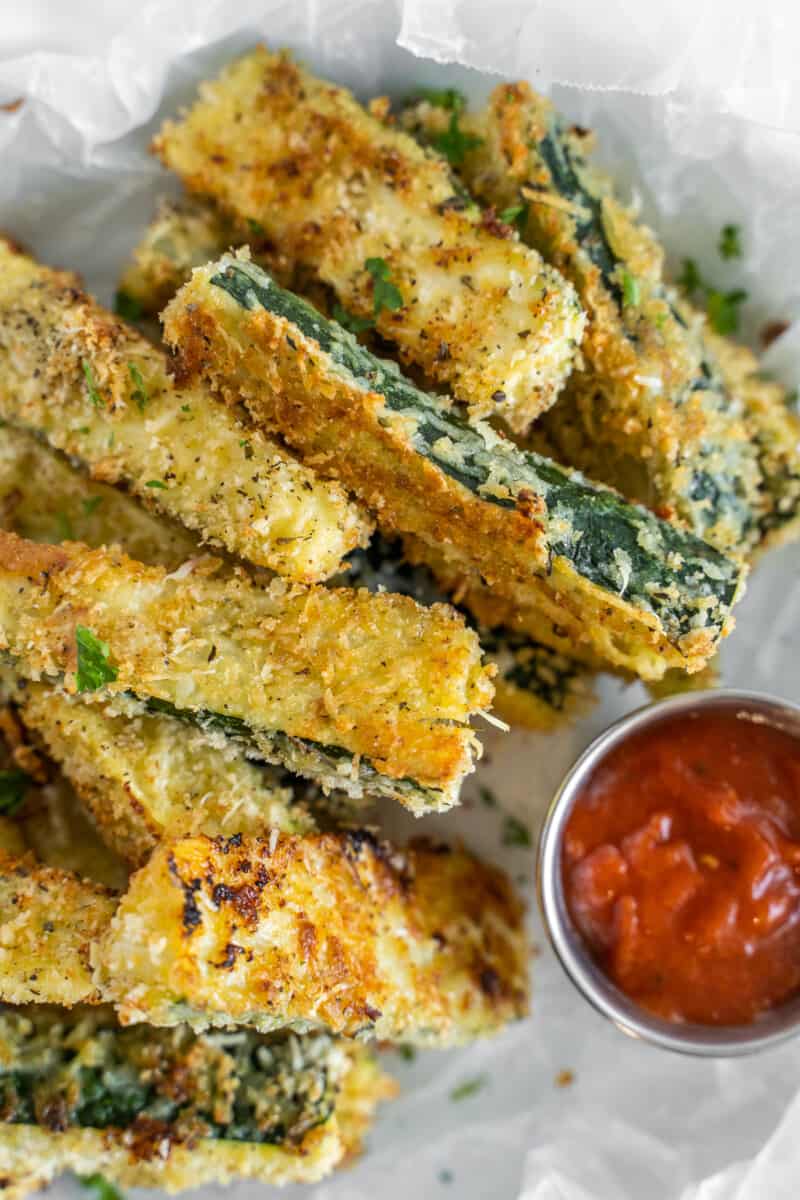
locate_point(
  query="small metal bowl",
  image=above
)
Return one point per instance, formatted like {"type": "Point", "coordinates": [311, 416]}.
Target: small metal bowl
{"type": "Point", "coordinates": [779, 1023]}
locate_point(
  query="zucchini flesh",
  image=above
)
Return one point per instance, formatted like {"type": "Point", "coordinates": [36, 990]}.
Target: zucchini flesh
{"type": "Point", "coordinates": [650, 412]}
{"type": "Point", "coordinates": [514, 516]}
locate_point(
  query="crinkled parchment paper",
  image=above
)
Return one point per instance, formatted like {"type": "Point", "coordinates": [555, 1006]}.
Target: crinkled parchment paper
{"type": "Point", "coordinates": [697, 103]}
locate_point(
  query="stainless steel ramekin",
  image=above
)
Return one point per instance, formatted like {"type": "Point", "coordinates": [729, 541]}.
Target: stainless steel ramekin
{"type": "Point", "coordinates": [706, 1040]}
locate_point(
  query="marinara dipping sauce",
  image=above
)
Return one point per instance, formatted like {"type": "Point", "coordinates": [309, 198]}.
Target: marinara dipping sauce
{"type": "Point", "coordinates": [681, 866]}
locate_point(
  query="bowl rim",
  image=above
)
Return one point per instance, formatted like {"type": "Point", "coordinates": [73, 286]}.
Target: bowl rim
{"type": "Point", "coordinates": [709, 1041]}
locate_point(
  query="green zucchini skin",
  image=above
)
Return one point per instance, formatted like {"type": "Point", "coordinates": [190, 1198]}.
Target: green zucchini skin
{"type": "Point", "coordinates": [618, 546]}
{"type": "Point", "coordinates": [544, 674]}
{"type": "Point", "coordinates": [328, 767]}
{"type": "Point", "coordinates": [245, 1087]}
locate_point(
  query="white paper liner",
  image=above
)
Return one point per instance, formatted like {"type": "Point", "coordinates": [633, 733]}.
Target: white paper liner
{"type": "Point", "coordinates": [78, 186]}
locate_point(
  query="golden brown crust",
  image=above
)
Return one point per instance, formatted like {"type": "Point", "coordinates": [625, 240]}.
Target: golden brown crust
{"type": "Point", "coordinates": [333, 187]}
{"type": "Point", "coordinates": [377, 675]}
{"type": "Point", "coordinates": [339, 931]}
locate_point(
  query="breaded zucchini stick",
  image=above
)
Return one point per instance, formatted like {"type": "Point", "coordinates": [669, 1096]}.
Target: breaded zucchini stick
{"type": "Point", "coordinates": [643, 594]}
{"type": "Point", "coordinates": [775, 430]}
{"type": "Point", "coordinates": [369, 694]}
{"type": "Point", "coordinates": [45, 499]}
{"type": "Point", "coordinates": [100, 392]}
{"type": "Point", "coordinates": [175, 1109]}
{"type": "Point", "coordinates": [50, 920]}
{"type": "Point", "coordinates": [148, 778]}
{"type": "Point", "coordinates": [650, 413]}
{"type": "Point", "coordinates": [380, 220]}
{"type": "Point", "coordinates": [535, 687]}
{"type": "Point", "coordinates": [332, 931]}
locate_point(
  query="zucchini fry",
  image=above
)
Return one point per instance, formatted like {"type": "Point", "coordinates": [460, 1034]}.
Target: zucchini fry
{"type": "Point", "coordinates": [44, 499]}
{"type": "Point", "coordinates": [381, 221]}
{"type": "Point", "coordinates": [171, 1108]}
{"type": "Point", "coordinates": [150, 778]}
{"type": "Point", "coordinates": [97, 390]}
{"type": "Point", "coordinates": [643, 594]}
{"type": "Point", "coordinates": [368, 694]}
{"type": "Point", "coordinates": [775, 430]}
{"type": "Point", "coordinates": [50, 920]}
{"type": "Point", "coordinates": [535, 687]}
{"type": "Point", "coordinates": [650, 413]}
{"type": "Point", "coordinates": [332, 931]}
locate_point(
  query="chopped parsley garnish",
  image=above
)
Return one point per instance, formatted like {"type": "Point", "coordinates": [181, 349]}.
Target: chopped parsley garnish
{"type": "Point", "coordinates": [100, 1186]}
{"type": "Point", "coordinates": [247, 446]}
{"type": "Point", "coordinates": [445, 1175]}
{"type": "Point", "coordinates": [487, 797]}
{"type": "Point", "coordinates": [516, 215]}
{"type": "Point", "coordinates": [65, 531]}
{"type": "Point", "coordinates": [468, 1088]}
{"type": "Point", "coordinates": [515, 833]}
{"type": "Point", "coordinates": [689, 278]}
{"type": "Point", "coordinates": [256, 228]}
{"type": "Point", "coordinates": [722, 308]}
{"type": "Point", "coordinates": [793, 401]}
{"type": "Point", "coordinates": [407, 1053]}
{"type": "Point", "coordinates": [140, 394]}
{"type": "Point", "coordinates": [94, 669]}
{"type": "Point", "coordinates": [94, 395]}
{"type": "Point", "coordinates": [631, 292]}
{"type": "Point", "coordinates": [186, 408]}
{"type": "Point", "coordinates": [730, 242]}
{"type": "Point", "coordinates": [453, 143]}
{"type": "Point", "coordinates": [13, 786]}
{"type": "Point", "coordinates": [350, 322]}
{"type": "Point", "coordinates": [91, 504]}
{"type": "Point", "coordinates": [384, 292]}
{"type": "Point", "coordinates": [127, 307]}
{"type": "Point", "coordinates": [155, 483]}
{"type": "Point", "coordinates": [450, 98]}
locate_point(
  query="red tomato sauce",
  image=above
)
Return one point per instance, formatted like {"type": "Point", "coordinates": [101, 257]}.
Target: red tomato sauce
{"type": "Point", "coordinates": [681, 867]}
